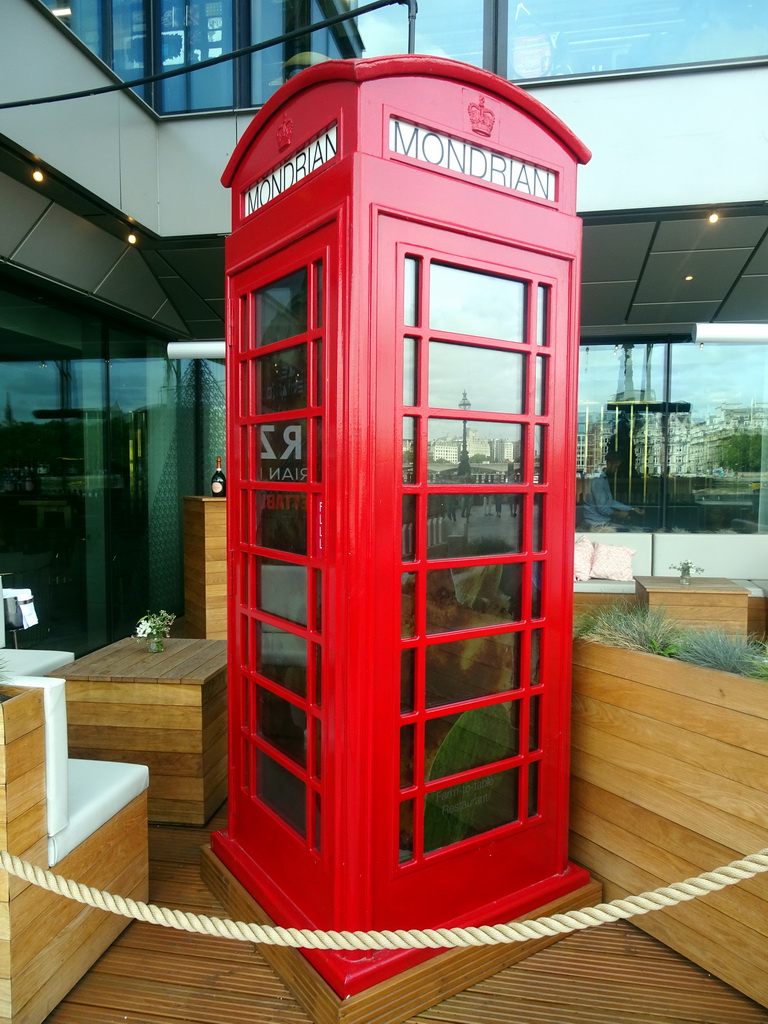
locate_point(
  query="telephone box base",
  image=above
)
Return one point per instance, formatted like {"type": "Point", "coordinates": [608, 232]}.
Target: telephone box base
{"type": "Point", "coordinates": [412, 987]}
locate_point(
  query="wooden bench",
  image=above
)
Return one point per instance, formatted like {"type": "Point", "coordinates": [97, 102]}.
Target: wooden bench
{"type": "Point", "coordinates": [167, 710]}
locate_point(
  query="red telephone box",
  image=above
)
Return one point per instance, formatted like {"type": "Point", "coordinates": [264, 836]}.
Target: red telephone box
{"type": "Point", "coordinates": [403, 310]}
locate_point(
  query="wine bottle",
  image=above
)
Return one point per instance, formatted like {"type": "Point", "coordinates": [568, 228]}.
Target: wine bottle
{"type": "Point", "coordinates": [218, 481]}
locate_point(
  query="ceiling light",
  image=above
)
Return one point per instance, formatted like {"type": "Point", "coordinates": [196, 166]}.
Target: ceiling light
{"type": "Point", "coordinates": [714, 218]}
{"type": "Point", "coordinates": [61, 12]}
{"type": "Point", "coordinates": [132, 239]}
{"type": "Point", "coordinates": [38, 176]}
{"type": "Point", "coordinates": [688, 277]}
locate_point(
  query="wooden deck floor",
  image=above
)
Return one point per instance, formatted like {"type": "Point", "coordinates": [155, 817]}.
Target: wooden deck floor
{"type": "Point", "coordinates": [607, 975]}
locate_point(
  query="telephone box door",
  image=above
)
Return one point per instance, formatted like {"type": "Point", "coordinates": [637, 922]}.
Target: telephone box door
{"type": "Point", "coordinates": [482, 500]}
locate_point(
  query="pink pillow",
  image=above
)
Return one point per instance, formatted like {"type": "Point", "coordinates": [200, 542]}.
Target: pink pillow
{"type": "Point", "coordinates": [612, 562]}
{"type": "Point", "coordinates": [582, 558]}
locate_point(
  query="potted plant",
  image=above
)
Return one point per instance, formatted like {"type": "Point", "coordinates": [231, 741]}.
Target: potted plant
{"type": "Point", "coordinates": [685, 568]}
{"type": "Point", "coordinates": [669, 773]}
{"type": "Point", "coordinates": [155, 628]}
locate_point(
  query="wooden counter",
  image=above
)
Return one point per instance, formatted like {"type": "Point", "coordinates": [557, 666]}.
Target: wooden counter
{"type": "Point", "coordinates": [167, 710]}
{"type": "Point", "coordinates": [706, 602]}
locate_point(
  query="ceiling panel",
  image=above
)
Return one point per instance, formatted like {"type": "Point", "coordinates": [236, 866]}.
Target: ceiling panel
{"type": "Point", "coordinates": [615, 252]}
{"type": "Point", "coordinates": [677, 313]}
{"type": "Point", "coordinates": [727, 233]}
{"type": "Point", "coordinates": [713, 272]}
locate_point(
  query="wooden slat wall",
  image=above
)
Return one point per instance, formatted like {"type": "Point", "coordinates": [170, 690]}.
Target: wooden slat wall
{"type": "Point", "coordinates": [205, 567]}
{"type": "Point", "coordinates": [669, 779]}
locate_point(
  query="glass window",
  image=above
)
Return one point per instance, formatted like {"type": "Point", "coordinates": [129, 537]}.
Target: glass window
{"type": "Point", "coordinates": [468, 524]}
{"type": "Point", "coordinates": [281, 308]}
{"type": "Point", "coordinates": [471, 739]}
{"type": "Point", "coordinates": [283, 451]}
{"type": "Point", "coordinates": [470, 302]}
{"type": "Point", "coordinates": [282, 791]}
{"type": "Point", "coordinates": [282, 377]}
{"type": "Point", "coordinates": [563, 37]}
{"type": "Point", "coordinates": [471, 808]}
{"type": "Point", "coordinates": [446, 28]}
{"type": "Point", "coordinates": [465, 669]}
{"type": "Point", "coordinates": [473, 596]}
{"type": "Point", "coordinates": [281, 521]}
{"type": "Point", "coordinates": [283, 590]}
{"type": "Point", "coordinates": [283, 725]}
{"type": "Point", "coordinates": [282, 657]}
{"type": "Point", "coordinates": [497, 377]}
{"type": "Point", "coordinates": [192, 31]}
{"type": "Point", "coordinates": [473, 451]}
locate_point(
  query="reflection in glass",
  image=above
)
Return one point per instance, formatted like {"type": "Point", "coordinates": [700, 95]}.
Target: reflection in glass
{"type": "Point", "coordinates": [534, 741]}
{"type": "Point", "coordinates": [409, 450]}
{"type": "Point", "coordinates": [539, 454]}
{"type": "Point", "coordinates": [469, 809]}
{"type": "Point", "coordinates": [406, 831]}
{"type": "Point", "coordinates": [411, 309]}
{"type": "Point", "coordinates": [410, 363]}
{"type": "Point", "coordinates": [535, 667]}
{"type": "Point", "coordinates": [408, 610]}
{"type": "Point", "coordinates": [473, 596]}
{"type": "Point", "coordinates": [282, 378]}
{"type": "Point", "coordinates": [281, 308]}
{"type": "Point", "coordinates": [318, 675]}
{"type": "Point", "coordinates": [319, 294]}
{"type": "Point", "coordinates": [463, 524]}
{"type": "Point", "coordinates": [497, 377]}
{"type": "Point", "coordinates": [537, 588]}
{"type": "Point", "coordinates": [470, 302]}
{"type": "Point", "coordinates": [542, 363]}
{"type": "Point", "coordinates": [406, 756]}
{"type": "Point", "coordinates": [283, 725]}
{"type": "Point", "coordinates": [283, 590]}
{"type": "Point", "coordinates": [280, 790]}
{"type": "Point", "coordinates": [533, 788]}
{"type": "Point", "coordinates": [281, 521]}
{"type": "Point", "coordinates": [471, 739]}
{"type": "Point", "coordinates": [407, 680]}
{"type": "Point", "coordinates": [466, 669]}
{"type": "Point", "coordinates": [542, 314]}
{"type": "Point", "coordinates": [494, 452]}
{"type": "Point", "coordinates": [409, 527]}
{"type": "Point", "coordinates": [537, 538]}
{"type": "Point", "coordinates": [282, 657]}
{"type": "Point", "coordinates": [283, 450]}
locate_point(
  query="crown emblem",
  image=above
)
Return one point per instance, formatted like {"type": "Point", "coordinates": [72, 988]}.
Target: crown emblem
{"type": "Point", "coordinates": [284, 132]}
{"type": "Point", "coordinates": [482, 120]}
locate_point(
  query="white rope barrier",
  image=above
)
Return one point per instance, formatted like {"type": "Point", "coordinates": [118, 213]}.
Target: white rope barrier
{"type": "Point", "coordinates": [437, 938]}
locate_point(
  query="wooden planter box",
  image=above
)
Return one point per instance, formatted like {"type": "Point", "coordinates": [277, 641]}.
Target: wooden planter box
{"type": "Point", "coordinates": [669, 779]}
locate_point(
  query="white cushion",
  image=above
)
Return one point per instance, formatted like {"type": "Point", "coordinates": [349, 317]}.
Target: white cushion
{"type": "Point", "coordinates": [97, 791]}
{"type": "Point", "coordinates": [583, 552]}
{"type": "Point", "coordinates": [612, 562]}
{"type": "Point", "coordinates": [33, 663]}
{"type": "Point", "coordinates": [56, 749]}
{"type": "Point", "coordinates": [641, 543]}
{"type": "Point", "coordinates": [603, 587]}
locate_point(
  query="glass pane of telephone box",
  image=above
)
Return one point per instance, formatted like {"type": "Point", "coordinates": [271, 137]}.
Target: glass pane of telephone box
{"type": "Point", "coordinates": [281, 522]}
{"type": "Point", "coordinates": [471, 302]}
{"type": "Point", "coordinates": [282, 657]}
{"type": "Point", "coordinates": [471, 451]}
{"type": "Point", "coordinates": [469, 809]}
{"type": "Point", "coordinates": [471, 739]}
{"type": "Point", "coordinates": [494, 378]}
{"type": "Point", "coordinates": [468, 524]}
{"type": "Point", "coordinates": [470, 597]}
{"type": "Point", "coordinates": [281, 308]}
{"type": "Point", "coordinates": [282, 791]}
{"type": "Point", "coordinates": [283, 725]}
{"type": "Point", "coordinates": [282, 379]}
{"type": "Point", "coordinates": [282, 589]}
{"type": "Point", "coordinates": [462, 670]}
